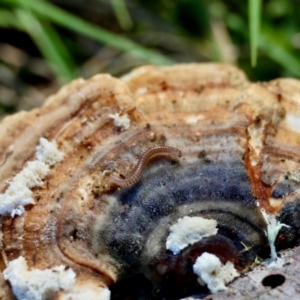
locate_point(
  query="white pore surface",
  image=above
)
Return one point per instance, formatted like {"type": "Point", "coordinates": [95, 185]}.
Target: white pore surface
{"type": "Point", "coordinates": [212, 272]}
{"type": "Point", "coordinates": [37, 284]}
{"type": "Point", "coordinates": [189, 230]}
{"type": "Point", "coordinates": [18, 194]}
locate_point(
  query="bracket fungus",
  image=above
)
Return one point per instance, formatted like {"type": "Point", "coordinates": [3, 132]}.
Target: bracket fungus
{"type": "Point", "coordinates": [235, 152]}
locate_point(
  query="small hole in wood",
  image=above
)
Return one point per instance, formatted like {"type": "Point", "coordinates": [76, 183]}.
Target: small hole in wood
{"type": "Point", "coordinates": [273, 280]}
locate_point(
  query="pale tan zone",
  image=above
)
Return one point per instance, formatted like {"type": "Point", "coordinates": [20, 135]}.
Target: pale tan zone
{"type": "Point", "coordinates": [195, 99]}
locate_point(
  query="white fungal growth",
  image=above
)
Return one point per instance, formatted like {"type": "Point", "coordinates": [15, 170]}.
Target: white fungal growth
{"type": "Point", "coordinates": [273, 227]}
{"type": "Point", "coordinates": [18, 194]}
{"type": "Point", "coordinates": [37, 284]}
{"type": "Point", "coordinates": [189, 230]}
{"type": "Point", "coordinates": [120, 121]}
{"type": "Point", "coordinates": [48, 153]}
{"type": "Point", "coordinates": [212, 272]}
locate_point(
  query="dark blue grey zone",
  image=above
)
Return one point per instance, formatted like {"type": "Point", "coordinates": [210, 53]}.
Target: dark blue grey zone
{"type": "Point", "coordinates": [289, 215]}
{"type": "Point", "coordinates": [167, 185]}
{"type": "Point", "coordinates": [285, 187]}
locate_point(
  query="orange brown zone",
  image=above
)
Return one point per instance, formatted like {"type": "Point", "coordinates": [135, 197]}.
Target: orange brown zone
{"type": "Point", "coordinates": [261, 190]}
{"type": "Point", "coordinates": [11, 241]}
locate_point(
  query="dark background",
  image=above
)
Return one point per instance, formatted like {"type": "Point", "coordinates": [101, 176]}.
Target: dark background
{"type": "Point", "coordinates": [39, 53]}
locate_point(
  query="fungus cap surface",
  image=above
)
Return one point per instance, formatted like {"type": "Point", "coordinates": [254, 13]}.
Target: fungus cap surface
{"type": "Point", "coordinates": [239, 145]}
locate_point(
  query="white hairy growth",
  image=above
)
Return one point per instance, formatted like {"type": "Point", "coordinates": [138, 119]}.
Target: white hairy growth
{"type": "Point", "coordinates": [212, 272]}
{"type": "Point", "coordinates": [273, 227]}
{"type": "Point", "coordinates": [18, 194]}
{"type": "Point", "coordinates": [189, 230]}
{"type": "Point", "coordinates": [37, 284]}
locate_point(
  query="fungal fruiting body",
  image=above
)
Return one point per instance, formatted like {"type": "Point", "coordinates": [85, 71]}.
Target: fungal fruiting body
{"type": "Point", "coordinates": [211, 272]}
{"type": "Point", "coordinates": [150, 237]}
{"type": "Point", "coordinates": [189, 230]}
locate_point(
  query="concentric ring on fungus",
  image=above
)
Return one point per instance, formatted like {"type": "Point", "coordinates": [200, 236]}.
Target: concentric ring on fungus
{"type": "Point", "coordinates": [176, 227]}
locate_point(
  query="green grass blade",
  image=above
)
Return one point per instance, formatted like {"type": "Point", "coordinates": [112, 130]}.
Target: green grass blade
{"type": "Point", "coordinates": [67, 20]}
{"type": "Point", "coordinates": [8, 19]}
{"type": "Point", "coordinates": [254, 27]}
{"type": "Point", "coordinates": [122, 14]}
{"type": "Point", "coordinates": [49, 43]}
{"type": "Point", "coordinates": [277, 50]}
